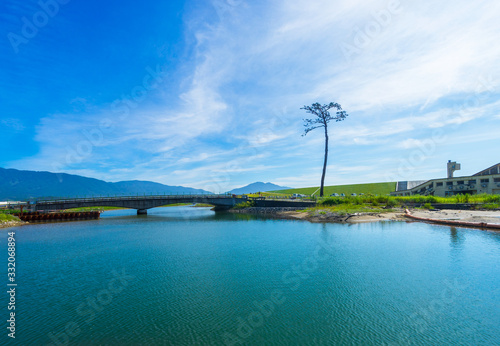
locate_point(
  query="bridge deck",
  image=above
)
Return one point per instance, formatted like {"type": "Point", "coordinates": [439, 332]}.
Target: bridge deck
{"type": "Point", "coordinates": [142, 203]}
{"type": "Point", "coordinates": [114, 198]}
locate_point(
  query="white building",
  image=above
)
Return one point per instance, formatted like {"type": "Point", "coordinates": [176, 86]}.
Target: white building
{"type": "Point", "coordinates": [485, 181]}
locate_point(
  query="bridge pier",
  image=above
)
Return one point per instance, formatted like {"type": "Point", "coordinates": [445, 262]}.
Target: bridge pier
{"type": "Point", "coordinates": [142, 212]}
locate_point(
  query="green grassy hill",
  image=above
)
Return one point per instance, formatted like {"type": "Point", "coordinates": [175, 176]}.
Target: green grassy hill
{"type": "Point", "coordinates": [373, 188]}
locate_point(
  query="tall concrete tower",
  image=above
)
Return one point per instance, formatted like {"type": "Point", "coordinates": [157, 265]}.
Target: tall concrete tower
{"type": "Point", "coordinates": [452, 167]}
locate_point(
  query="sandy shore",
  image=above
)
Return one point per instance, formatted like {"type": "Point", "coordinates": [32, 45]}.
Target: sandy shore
{"type": "Point", "coordinates": [460, 215]}
{"type": "Point", "coordinates": [398, 215]}
{"type": "Point", "coordinates": [7, 224]}
{"type": "Point", "coordinates": [351, 218]}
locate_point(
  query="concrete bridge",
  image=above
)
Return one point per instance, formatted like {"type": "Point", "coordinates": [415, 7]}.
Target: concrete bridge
{"type": "Point", "coordinates": [141, 203]}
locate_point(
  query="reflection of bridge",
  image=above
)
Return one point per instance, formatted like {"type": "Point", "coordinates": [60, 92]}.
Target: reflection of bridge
{"type": "Point", "coordinates": [141, 203]}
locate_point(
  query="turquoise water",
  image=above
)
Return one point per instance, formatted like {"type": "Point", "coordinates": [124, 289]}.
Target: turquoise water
{"type": "Point", "coordinates": [188, 276]}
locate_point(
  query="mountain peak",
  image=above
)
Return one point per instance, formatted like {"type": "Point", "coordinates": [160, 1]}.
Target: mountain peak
{"type": "Point", "coordinates": [23, 185]}
{"type": "Point", "coordinates": [257, 187]}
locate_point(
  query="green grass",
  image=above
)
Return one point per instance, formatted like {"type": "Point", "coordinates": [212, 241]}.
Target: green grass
{"type": "Point", "coordinates": [10, 211]}
{"type": "Point", "coordinates": [393, 201]}
{"type": "Point", "coordinates": [427, 206]}
{"type": "Point", "coordinates": [344, 209]}
{"type": "Point", "coordinates": [373, 188]}
{"type": "Point", "coordinates": [7, 217]}
{"type": "Point", "coordinates": [377, 204]}
{"type": "Point", "coordinates": [360, 201]}
{"type": "Point", "coordinates": [243, 205]}
{"type": "Point", "coordinates": [491, 206]}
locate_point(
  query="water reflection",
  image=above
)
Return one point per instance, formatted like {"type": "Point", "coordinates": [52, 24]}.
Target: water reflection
{"type": "Point", "coordinates": [455, 238]}
{"type": "Point", "coordinates": [200, 274]}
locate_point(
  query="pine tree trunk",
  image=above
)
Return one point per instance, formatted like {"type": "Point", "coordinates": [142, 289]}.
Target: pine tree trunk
{"type": "Point", "coordinates": [324, 164]}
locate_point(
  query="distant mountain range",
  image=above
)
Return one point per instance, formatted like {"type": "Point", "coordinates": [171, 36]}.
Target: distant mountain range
{"type": "Point", "coordinates": [22, 185]}
{"type": "Point", "coordinates": [258, 187]}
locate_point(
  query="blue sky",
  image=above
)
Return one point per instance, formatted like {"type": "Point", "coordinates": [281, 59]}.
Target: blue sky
{"type": "Point", "coordinates": [208, 94]}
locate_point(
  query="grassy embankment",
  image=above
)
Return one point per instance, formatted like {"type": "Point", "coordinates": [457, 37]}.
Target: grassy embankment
{"type": "Point", "coordinates": [376, 204]}
{"type": "Point", "coordinates": [376, 198]}
{"type": "Point", "coordinates": [373, 188]}
{"type": "Point", "coordinates": [4, 217]}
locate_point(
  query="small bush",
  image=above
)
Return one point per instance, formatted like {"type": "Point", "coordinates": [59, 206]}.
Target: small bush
{"type": "Point", "coordinates": [391, 202]}
{"type": "Point", "coordinates": [491, 198]}
{"type": "Point", "coordinates": [460, 198]}
{"type": "Point", "coordinates": [7, 217]}
{"type": "Point", "coordinates": [491, 206]}
{"type": "Point", "coordinates": [331, 201]}
{"type": "Point", "coordinates": [356, 200]}
{"type": "Point", "coordinates": [382, 199]}
{"type": "Point", "coordinates": [242, 205]}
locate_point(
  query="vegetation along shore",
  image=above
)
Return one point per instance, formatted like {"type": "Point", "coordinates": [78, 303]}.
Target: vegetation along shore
{"type": "Point", "coordinates": [350, 209]}
{"type": "Point", "coordinates": [369, 208]}
{"type": "Point", "coordinates": [8, 220]}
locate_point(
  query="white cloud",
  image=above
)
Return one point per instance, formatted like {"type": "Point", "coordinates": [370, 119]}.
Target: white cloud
{"type": "Point", "coordinates": [430, 66]}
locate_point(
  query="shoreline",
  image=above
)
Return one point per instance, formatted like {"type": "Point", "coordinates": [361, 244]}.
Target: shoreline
{"type": "Point", "coordinates": [14, 223]}
{"type": "Point", "coordinates": [326, 217]}
{"type": "Point", "coordinates": [483, 219]}
{"type": "Point", "coordinates": [330, 217]}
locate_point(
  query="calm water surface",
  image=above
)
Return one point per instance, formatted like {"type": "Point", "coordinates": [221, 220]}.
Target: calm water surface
{"type": "Point", "coordinates": [186, 276]}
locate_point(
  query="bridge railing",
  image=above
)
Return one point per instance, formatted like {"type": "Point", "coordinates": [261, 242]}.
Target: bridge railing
{"type": "Point", "coordinates": [129, 198]}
